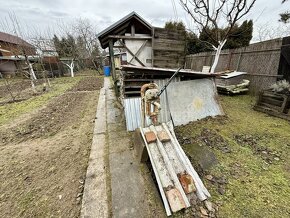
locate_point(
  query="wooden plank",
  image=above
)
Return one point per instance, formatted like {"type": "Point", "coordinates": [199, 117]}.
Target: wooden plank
{"type": "Point", "coordinates": [137, 80]}
{"type": "Point", "coordinates": [168, 48]}
{"type": "Point", "coordinates": [132, 30]}
{"type": "Point", "coordinates": [271, 112]}
{"type": "Point", "coordinates": [284, 105]}
{"type": "Point", "coordinates": [272, 101]}
{"type": "Point", "coordinates": [132, 92]}
{"type": "Point", "coordinates": [112, 60]}
{"type": "Point", "coordinates": [270, 106]}
{"type": "Point", "coordinates": [152, 44]}
{"type": "Point", "coordinates": [132, 87]}
{"type": "Point", "coordinates": [130, 37]}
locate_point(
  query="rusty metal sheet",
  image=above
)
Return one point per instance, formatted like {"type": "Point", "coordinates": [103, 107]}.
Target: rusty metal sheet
{"type": "Point", "coordinates": [132, 107]}
{"type": "Point", "coordinates": [193, 100]}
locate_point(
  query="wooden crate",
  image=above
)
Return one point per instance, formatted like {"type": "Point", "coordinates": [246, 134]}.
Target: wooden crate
{"type": "Point", "coordinates": [274, 104]}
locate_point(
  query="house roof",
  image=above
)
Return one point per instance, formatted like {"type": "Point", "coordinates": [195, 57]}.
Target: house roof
{"type": "Point", "coordinates": [123, 26]}
{"type": "Point", "coordinates": [5, 37]}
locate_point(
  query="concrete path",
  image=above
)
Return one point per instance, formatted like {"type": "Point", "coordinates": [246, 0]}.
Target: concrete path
{"type": "Point", "coordinates": [117, 185]}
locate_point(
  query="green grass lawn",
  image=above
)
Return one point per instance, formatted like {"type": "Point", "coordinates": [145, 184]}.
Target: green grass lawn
{"type": "Point", "coordinates": [11, 111]}
{"type": "Point", "coordinates": [257, 168]}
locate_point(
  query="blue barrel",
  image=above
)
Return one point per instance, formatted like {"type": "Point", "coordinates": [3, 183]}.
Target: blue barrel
{"type": "Point", "coordinates": [107, 70]}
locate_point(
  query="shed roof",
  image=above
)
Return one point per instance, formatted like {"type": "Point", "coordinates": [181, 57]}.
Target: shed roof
{"type": "Point", "coordinates": [5, 37]}
{"type": "Point", "coordinates": [123, 26]}
{"type": "Point", "coordinates": [165, 71]}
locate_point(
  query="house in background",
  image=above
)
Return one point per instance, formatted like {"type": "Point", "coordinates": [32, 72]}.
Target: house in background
{"type": "Point", "coordinates": [12, 53]}
{"type": "Point", "coordinates": [120, 58]}
{"type": "Point", "coordinates": [49, 57]}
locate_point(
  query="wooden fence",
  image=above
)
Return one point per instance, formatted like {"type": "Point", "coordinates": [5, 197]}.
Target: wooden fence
{"type": "Point", "coordinates": [259, 60]}
{"type": "Point", "coordinates": [168, 48]}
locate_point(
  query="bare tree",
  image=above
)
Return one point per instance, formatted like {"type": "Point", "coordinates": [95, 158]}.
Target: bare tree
{"type": "Point", "coordinates": [266, 31]}
{"type": "Point", "coordinates": [217, 15]}
{"type": "Point", "coordinates": [12, 25]}
{"type": "Point", "coordinates": [86, 32]}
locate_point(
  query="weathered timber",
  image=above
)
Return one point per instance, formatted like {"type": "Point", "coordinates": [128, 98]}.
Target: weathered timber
{"type": "Point", "coordinates": [168, 48]}
{"type": "Point", "coordinates": [274, 104]}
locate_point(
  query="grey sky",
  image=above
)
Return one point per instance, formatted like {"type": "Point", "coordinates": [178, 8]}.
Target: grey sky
{"type": "Point", "coordinates": [42, 14]}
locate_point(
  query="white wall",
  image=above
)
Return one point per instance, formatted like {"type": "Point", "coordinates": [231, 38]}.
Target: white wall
{"type": "Point", "coordinates": [146, 53]}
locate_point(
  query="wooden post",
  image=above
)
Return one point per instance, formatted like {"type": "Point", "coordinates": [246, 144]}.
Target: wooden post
{"type": "Point", "coordinates": [284, 104]}
{"type": "Point", "coordinates": [132, 30]}
{"type": "Point", "coordinates": [112, 61]}
{"type": "Point", "coordinates": [152, 52]}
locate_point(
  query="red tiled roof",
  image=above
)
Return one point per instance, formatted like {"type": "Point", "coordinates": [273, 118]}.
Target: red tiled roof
{"type": "Point", "coordinates": [5, 37]}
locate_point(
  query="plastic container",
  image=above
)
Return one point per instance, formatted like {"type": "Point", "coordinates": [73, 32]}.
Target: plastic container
{"type": "Point", "coordinates": [107, 70]}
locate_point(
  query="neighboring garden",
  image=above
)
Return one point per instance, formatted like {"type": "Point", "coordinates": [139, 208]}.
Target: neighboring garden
{"type": "Point", "coordinates": [45, 142]}
{"type": "Point", "coordinates": [244, 159]}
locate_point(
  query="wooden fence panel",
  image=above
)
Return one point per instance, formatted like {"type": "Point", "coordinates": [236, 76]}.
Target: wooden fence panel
{"type": "Point", "coordinates": [168, 48]}
{"type": "Point", "coordinates": [259, 60]}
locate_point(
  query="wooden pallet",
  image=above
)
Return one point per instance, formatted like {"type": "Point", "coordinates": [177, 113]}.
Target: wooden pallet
{"type": "Point", "coordinates": [274, 104]}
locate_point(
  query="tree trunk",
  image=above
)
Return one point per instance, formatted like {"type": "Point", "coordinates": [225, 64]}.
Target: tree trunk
{"type": "Point", "coordinates": [72, 68]}
{"type": "Point", "coordinates": [217, 55]}
{"type": "Point", "coordinates": [31, 71]}
{"type": "Point", "coordinates": [72, 71]}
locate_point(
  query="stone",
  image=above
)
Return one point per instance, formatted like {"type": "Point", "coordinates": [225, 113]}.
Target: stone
{"type": "Point", "coordinates": [208, 205]}
{"type": "Point", "coordinates": [221, 190]}
{"type": "Point", "coordinates": [209, 177]}
{"type": "Point", "coordinates": [150, 137]}
{"type": "Point", "coordinates": [222, 180]}
{"type": "Point", "coordinates": [203, 211]}
{"type": "Point", "coordinates": [163, 136]}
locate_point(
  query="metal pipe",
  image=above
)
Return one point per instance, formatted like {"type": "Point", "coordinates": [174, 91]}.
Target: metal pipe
{"type": "Point", "coordinates": [169, 81]}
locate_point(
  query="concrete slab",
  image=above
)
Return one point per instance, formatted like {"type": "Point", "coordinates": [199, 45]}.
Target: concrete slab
{"type": "Point", "coordinates": [100, 120]}
{"type": "Point", "coordinates": [115, 185]}
{"type": "Point", "coordinates": [127, 186]}
{"type": "Point", "coordinates": [119, 144]}
{"type": "Point", "coordinates": [95, 199]}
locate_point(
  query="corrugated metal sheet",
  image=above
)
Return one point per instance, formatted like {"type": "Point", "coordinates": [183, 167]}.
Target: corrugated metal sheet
{"type": "Point", "coordinates": [193, 100]}
{"type": "Point", "coordinates": [165, 112]}
{"type": "Point", "coordinates": [132, 107]}
{"type": "Point", "coordinates": [185, 101]}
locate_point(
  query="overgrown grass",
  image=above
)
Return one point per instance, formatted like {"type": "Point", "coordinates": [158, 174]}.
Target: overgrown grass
{"type": "Point", "coordinates": [257, 186]}
{"type": "Point", "coordinates": [9, 112]}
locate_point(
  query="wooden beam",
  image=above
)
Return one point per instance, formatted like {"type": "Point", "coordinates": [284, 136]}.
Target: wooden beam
{"type": "Point", "coordinates": [130, 37]}
{"type": "Point", "coordinates": [137, 59]}
{"type": "Point", "coordinates": [152, 51]}
{"type": "Point", "coordinates": [118, 46]}
{"type": "Point", "coordinates": [112, 61]}
{"type": "Point", "coordinates": [132, 30]}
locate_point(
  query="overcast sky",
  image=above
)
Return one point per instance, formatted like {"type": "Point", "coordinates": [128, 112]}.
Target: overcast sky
{"type": "Point", "coordinates": [42, 14]}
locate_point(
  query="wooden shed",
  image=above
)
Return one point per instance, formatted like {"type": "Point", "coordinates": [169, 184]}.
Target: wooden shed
{"type": "Point", "coordinates": [145, 46]}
